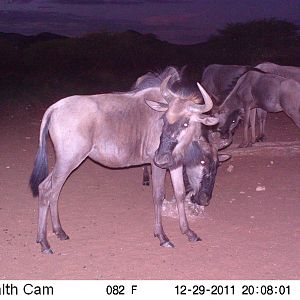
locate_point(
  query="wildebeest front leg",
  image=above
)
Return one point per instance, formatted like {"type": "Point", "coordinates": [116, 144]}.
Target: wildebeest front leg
{"type": "Point", "coordinates": [252, 124]}
{"type": "Point", "coordinates": [262, 116]}
{"type": "Point", "coordinates": [158, 182]}
{"type": "Point", "coordinates": [179, 191]}
{"type": "Point", "coordinates": [246, 142]}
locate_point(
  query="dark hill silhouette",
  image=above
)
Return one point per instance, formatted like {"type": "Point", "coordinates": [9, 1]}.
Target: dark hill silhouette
{"type": "Point", "coordinates": [53, 66]}
{"type": "Point", "coordinates": [21, 41]}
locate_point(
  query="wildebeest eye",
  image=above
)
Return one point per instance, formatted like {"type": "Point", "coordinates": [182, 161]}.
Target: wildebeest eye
{"type": "Point", "coordinates": [233, 121]}
{"type": "Point", "coordinates": [186, 124]}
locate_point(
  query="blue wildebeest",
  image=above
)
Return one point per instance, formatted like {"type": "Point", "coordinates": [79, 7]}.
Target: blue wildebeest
{"type": "Point", "coordinates": [201, 159]}
{"type": "Point", "coordinates": [269, 92]}
{"type": "Point", "coordinates": [288, 72]}
{"type": "Point", "coordinates": [148, 125]}
{"type": "Point", "coordinates": [219, 80]}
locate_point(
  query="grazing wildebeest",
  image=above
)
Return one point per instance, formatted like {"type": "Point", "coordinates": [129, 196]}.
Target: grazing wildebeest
{"type": "Point", "coordinates": [148, 125]}
{"type": "Point", "coordinates": [269, 92]}
{"type": "Point", "coordinates": [219, 80]}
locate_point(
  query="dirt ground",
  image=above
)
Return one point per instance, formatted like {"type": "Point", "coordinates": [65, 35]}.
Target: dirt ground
{"type": "Point", "coordinates": [109, 216]}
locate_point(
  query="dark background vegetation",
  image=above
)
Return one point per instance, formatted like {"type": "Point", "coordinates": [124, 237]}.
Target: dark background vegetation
{"type": "Point", "coordinates": [47, 67]}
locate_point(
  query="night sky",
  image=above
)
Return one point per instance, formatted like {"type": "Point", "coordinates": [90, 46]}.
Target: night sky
{"type": "Point", "coordinates": [181, 22]}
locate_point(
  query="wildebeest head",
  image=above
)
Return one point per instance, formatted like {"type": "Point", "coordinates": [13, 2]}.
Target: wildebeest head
{"type": "Point", "coordinates": [182, 124]}
{"type": "Point", "coordinates": [228, 123]}
{"type": "Point", "coordinates": [200, 173]}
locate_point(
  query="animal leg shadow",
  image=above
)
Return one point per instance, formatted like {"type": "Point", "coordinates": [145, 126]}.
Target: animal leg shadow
{"type": "Point", "coordinates": [261, 138]}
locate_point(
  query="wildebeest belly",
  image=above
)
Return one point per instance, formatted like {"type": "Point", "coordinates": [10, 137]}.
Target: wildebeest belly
{"type": "Point", "coordinates": [270, 105]}
{"type": "Point", "coordinates": [116, 153]}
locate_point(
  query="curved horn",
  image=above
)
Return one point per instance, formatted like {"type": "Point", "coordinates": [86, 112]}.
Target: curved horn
{"type": "Point", "coordinates": [208, 103]}
{"type": "Point", "coordinates": [167, 94]}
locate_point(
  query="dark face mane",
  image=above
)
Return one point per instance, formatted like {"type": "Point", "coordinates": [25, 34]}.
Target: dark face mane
{"type": "Point", "coordinates": [168, 141]}
{"type": "Point", "coordinates": [155, 79]}
{"type": "Point", "coordinates": [200, 155]}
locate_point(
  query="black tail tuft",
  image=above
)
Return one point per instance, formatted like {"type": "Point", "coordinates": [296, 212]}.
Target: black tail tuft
{"type": "Point", "coordinates": [39, 172]}
{"type": "Point", "coordinates": [40, 169]}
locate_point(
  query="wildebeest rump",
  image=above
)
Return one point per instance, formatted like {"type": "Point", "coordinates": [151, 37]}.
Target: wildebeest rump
{"type": "Point", "coordinates": [269, 92]}
{"type": "Point", "coordinates": [119, 130]}
{"type": "Point", "coordinates": [219, 80]}
{"type": "Point", "coordinates": [288, 72]}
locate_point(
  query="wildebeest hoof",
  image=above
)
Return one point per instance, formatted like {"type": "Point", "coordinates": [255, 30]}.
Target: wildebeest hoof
{"type": "Point", "coordinates": [245, 145]}
{"type": "Point", "coordinates": [192, 236]}
{"type": "Point", "coordinates": [147, 183]}
{"type": "Point", "coordinates": [47, 251]}
{"type": "Point", "coordinates": [62, 235]}
{"type": "Point", "coordinates": [167, 244]}
{"type": "Point", "coordinates": [194, 239]}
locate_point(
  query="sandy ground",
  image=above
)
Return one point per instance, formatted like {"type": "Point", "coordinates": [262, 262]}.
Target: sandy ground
{"type": "Point", "coordinates": [109, 216]}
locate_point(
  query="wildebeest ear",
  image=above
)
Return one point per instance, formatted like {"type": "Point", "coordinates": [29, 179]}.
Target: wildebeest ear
{"type": "Point", "coordinates": [223, 157]}
{"type": "Point", "coordinates": [158, 106]}
{"type": "Point", "coordinates": [207, 120]}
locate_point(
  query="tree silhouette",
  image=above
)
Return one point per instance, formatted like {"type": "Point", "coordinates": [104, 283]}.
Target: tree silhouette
{"type": "Point", "coordinates": [260, 39]}
{"type": "Point", "coordinates": [264, 33]}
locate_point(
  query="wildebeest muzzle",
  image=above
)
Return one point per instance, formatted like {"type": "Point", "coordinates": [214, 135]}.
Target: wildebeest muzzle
{"type": "Point", "coordinates": [163, 155]}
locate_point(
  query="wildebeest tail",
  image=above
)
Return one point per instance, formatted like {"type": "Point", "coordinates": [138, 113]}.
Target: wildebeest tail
{"type": "Point", "coordinates": [40, 168]}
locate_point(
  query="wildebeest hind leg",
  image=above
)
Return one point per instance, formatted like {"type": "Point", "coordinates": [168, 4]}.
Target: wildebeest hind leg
{"type": "Point", "coordinates": [43, 202]}
{"type": "Point", "coordinates": [49, 191]}
{"type": "Point", "coordinates": [57, 181]}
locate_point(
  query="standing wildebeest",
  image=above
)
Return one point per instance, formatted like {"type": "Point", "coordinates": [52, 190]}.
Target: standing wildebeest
{"type": "Point", "coordinates": [219, 81]}
{"type": "Point", "coordinates": [120, 130]}
{"type": "Point", "coordinates": [288, 72]}
{"type": "Point", "coordinates": [269, 92]}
